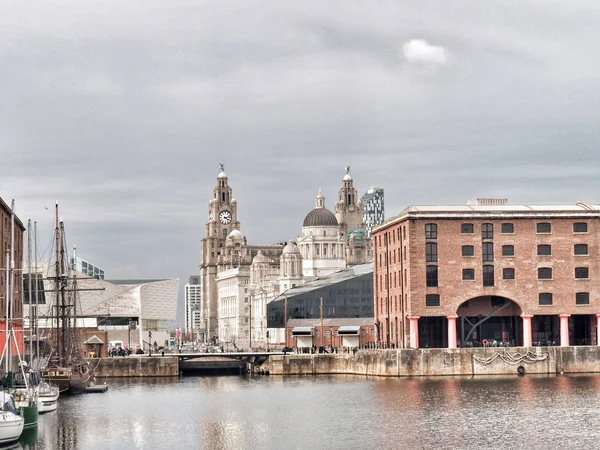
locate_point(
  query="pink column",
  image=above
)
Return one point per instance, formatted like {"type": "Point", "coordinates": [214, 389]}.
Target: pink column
{"type": "Point", "coordinates": [564, 330]}
{"type": "Point", "coordinates": [414, 331]}
{"type": "Point", "coordinates": [452, 331]}
{"type": "Point", "coordinates": [598, 329]}
{"type": "Point", "coordinates": [526, 329]}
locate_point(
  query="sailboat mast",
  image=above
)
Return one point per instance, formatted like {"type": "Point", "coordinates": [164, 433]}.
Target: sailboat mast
{"type": "Point", "coordinates": [29, 275]}
{"type": "Point", "coordinates": [58, 290]}
{"type": "Point", "coordinates": [11, 279]}
{"type": "Point", "coordinates": [63, 303]}
{"type": "Point", "coordinates": [6, 310]}
{"type": "Point", "coordinates": [35, 311]}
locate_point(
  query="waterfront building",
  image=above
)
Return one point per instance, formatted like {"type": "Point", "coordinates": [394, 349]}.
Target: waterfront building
{"type": "Point", "coordinates": [132, 312]}
{"type": "Point", "coordinates": [338, 333]}
{"type": "Point", "coordinates": [224, 247]}
{"type": "Point", "coordinates": [193, 308]}
{"type": "Point", "coordinates": [373, 211]}
{"type": "Point", "coordinates": [321, 243]}
{"type": "Point", "coordinates": [345, 294]}
{"type": "Point", "coordinates": [348, 212]}
{"type": "Point", "coordinates": [13, 282]}
{"type": "Point", "coordinates": [488, 273]}
{"type": "Point", "coordinates": [328, 243]}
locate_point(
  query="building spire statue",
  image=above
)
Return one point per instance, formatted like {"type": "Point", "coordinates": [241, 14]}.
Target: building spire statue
{"type": "Point", "coordinates": [221, 167]}
{"type": "Point", "coordinates": [347, 170]}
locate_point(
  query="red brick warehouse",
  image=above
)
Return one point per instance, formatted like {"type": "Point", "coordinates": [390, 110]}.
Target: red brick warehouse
{"type": "Point", "coordinates": [488, 273]}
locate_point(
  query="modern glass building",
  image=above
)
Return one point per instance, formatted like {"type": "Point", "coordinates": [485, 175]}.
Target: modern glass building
{"type": "Point", "coordinates": [89, 269]}
{"type": "Point", "coordinates": [346, 294]}
{"type": "Point", "coordinates": [372, 208]}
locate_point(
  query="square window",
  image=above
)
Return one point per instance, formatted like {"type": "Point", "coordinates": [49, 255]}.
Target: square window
{"type": "Point", "coordinates": [508, 228]}
{"type": "Point", "coordinates": [581, 273]}
{"type": "Point", "coordinates": [508, 273]}
{"type": "Point", "coordinates": [580, 227]}
{"type": "Point", "coordinates": [544, 273]}
{"type": "Point", "coordinates": [581, 249]}
{"type": "Point", "coordinates": [432, 300]}
{"type": "Point", "coordinates": [466, 228]}
{"type": "Point", "coordinates": [508, 250]}
{"type": "Point", "coordinates": [468, 274]}
{"type": "Point", "coordinates": [544, 250]}
{"type": "Point", "coordinates": [543, 227]}
{"type": "Point", "coordinates": [468, 250]}
{"type": "Point", "coordinates": [545, 299]}
{"type": "Point", "coordinates": [582, 298]}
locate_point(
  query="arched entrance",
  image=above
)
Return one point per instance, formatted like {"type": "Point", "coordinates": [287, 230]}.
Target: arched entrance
{"type": "Point", "coordinates": [489, 321]}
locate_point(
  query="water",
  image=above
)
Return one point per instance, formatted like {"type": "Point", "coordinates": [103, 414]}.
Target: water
{"type": "Point", "coordinates": [339, 412]}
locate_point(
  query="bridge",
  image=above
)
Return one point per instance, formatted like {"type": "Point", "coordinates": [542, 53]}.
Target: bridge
{"type": "Point", "coordinates": [217, 362]}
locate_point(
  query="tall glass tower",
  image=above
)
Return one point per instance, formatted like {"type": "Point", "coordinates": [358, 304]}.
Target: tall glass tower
{"type": "Point", "coordinates": [372, 208]}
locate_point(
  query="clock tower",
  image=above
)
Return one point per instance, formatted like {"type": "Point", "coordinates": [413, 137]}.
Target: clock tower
{"type": "Point", "coordinates": [222, 220]}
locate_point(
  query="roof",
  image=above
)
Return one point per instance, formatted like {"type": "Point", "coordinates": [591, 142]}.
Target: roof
{"type": "Point", "coordinates": [94, 340]}
{"type": "Point", "coordinates": [579, 209]}
{"type": "Point", "coordinates": [336, 277]}
{"type": "Point", "coordinates": [332, 322]}
{"type": "Point", "coordinates": [302, 330]}
{"type": "Point", "coordinates": [320, 217]}
{"type": "Point", "coordinates": [135, 282]}
{"type": "Point", "coordinates": [6, 208]}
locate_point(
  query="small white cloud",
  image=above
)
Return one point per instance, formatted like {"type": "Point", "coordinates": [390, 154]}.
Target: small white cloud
{"type": "Point", "coordinates": [419, 51]}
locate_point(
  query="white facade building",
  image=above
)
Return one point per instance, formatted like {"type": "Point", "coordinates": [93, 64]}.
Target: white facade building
{"type": "Point", "coordinates": [321, 244]}
{"type": "Point", "coordinates": [193, 308]}
{"type": "Point", "coordinates": [233, 313]}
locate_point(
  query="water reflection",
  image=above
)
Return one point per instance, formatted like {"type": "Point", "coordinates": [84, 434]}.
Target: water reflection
{"type": "Point", "coordinates": [327, 412]}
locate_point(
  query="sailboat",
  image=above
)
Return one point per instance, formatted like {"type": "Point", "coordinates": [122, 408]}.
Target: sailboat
{"type": "Point", "coordinates": [67, 367]}
{"type": "Point", "coordinates": [11, 423]}
{"type": "Point", "coordinates": [24, 397]}
{"type": "Point", "coordinates": [47, 394]}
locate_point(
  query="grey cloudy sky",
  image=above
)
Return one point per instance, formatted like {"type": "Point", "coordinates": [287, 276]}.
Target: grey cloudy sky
{"type": "Point", "coordinates": [122, 110]}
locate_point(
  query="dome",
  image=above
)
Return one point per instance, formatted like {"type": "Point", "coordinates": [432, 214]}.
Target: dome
{"type": "Point", "coordinates": [236, 234]}
{"type": "Point", "coordinates": [260, 258]}
{"type": "Point", "coordinates": [320, 217]}
{"type": "Point", "coordinates": [291, 248]}
{"type": "Point", "coordinates": [347, 177]}
{"type": "Point", "coordinates": [221, 174]}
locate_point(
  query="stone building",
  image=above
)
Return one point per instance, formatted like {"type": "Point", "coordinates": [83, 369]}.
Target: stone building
{"type": "Point", "coordinates": [239, 280]}
{"type": "Point", "coordinates": [488, 273]}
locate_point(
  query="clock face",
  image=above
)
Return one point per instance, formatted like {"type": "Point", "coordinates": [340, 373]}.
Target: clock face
{"type": "Point", "coordinates": [225, 217]}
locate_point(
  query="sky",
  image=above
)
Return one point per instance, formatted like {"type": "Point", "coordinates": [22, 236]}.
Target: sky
{"type": "Point", "coordinates": [122, 111]}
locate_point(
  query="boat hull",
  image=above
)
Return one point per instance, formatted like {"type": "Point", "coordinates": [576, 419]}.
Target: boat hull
{"type": "Point", "coordinates": [11, 427]}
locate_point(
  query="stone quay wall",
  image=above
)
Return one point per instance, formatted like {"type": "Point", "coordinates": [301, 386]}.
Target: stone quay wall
{"type": "Point", "coordinates": [442, 362]}
{"type": "Point", "coordinates": [137, 366]}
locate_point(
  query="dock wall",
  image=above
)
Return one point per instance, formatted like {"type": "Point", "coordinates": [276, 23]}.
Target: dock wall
{"type": "Point", "coordinates": [441, 362]}
{"type": "Point", "coordinates": [134, 366]}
